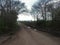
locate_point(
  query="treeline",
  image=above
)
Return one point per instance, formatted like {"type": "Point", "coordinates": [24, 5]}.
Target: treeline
{"type": "Point", "coordinates": [50, 12]}
{"type": "Point", "coordinates": [8, 15]}
{"type": "Point", "coordinates": [50, 26]}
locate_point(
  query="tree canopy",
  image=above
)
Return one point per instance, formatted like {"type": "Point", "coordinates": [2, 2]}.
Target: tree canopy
{"type": "Point", "coordinates": [9, 10]}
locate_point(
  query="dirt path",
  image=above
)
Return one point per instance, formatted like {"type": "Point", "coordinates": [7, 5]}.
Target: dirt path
{"type": "Point", "coordinates": [26, 36]}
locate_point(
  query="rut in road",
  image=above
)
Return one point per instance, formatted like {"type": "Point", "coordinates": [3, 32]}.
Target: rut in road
{"type": "Point", "coordinates": [26, 36]}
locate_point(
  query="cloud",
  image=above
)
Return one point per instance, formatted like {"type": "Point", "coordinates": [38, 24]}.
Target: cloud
{"type": "Point", "coordinates": [28, 3]}
{"type": "Point", "coordinates": [25, 17]}
{"type": "Point", "coordinates": [56, 0]}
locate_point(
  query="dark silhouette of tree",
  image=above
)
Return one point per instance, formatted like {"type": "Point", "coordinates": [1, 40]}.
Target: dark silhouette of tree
{"type": "Point", "coordinates": [9, 10]}
{"type": "Point", "coordinates": [41, 7]}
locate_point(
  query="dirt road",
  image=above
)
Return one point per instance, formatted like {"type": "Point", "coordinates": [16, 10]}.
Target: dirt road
{"type": "Point", "coordinates": [27, 36]}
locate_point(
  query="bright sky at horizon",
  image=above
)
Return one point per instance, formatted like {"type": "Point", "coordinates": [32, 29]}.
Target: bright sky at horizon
{"type": "Point", "coordinates": [25, 17]}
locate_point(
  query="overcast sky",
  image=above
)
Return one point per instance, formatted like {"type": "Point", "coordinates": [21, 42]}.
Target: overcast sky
{"type": "Point", "coordinates": [29, 3]}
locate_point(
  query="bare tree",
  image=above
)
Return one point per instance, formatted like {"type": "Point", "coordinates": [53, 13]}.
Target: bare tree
{"type": "Point", "coordinates": [9, 10]}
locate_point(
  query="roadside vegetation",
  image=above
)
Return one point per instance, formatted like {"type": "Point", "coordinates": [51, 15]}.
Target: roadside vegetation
{"type": "Point", "coordinates": [51, 26]}
{"type": "Point", "coordinates": [9, 10]}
